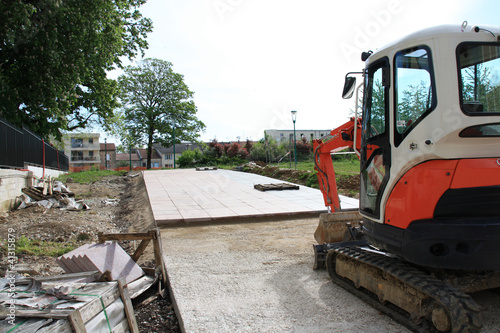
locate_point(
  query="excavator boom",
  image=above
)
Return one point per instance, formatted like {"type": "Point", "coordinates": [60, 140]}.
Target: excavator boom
{"type": "Point", "coordinates": [343, 137]}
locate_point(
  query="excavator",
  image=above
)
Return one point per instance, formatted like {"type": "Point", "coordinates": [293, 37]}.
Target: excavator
{"type": "Point", "coordinates": [427, 231]}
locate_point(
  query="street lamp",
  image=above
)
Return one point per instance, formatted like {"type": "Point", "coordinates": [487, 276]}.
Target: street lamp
{"type": "Point", "coordinates": [294, 117]}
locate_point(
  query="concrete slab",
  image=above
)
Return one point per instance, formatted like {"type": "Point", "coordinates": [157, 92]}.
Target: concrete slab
{"type": "Point", "coordinates": [188, 195]}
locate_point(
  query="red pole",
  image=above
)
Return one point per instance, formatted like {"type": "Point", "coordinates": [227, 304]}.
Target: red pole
{"type": "Point", "coordinates": [43, 154]}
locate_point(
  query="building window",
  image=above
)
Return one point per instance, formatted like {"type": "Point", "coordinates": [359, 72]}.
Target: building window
{"type": "Point", "coordinates": [77, 156]}
{"type": "Point", "coordinates": [168, 156]}
{"type": "Point", "coordinates": [91, 153]}
{"type": "Point", "coordinates": [91, 141]}
{"type": "Point", "coordinates": [76, 143]}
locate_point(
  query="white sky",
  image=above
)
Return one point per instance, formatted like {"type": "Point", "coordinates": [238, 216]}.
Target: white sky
{"type": "Point", "coordinates": [250, 62]}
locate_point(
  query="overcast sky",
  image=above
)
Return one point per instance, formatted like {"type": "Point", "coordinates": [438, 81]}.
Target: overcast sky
{"type": "Point", "coordinates": [250, 62]}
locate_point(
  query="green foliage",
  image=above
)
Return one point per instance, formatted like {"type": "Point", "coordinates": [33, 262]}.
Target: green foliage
{"type": "Point", "coordinates": [157, 106]}
{"type": "Point", "coordinates": [268, 151]}
{"type": "Point", "coordinates": [189, 158]}
{"type": "Point", "coordinates": [85, 177]}
{"type": "Point", "coordinates": [55, 55]}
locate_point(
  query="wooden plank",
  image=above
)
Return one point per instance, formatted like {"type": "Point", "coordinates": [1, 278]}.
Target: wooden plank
{"type": "Point", "coordinates": [54, 314]}
{"type": "Point", "coordinates": [58, 326]}
{"type": "Point", "coordinates": [76, 322]}
{"type": "Point", "coordinates": [140, 249]}
{"type": "Point", "coordinates": [129, 308]}
{"type": "Point", "coordinates": [122, 237]}
{"type": "Point", "coordinates": [91, 276]}
{"type": "Point", "coordinates": [158, 252]}
{"type": "Point", "coordinates": [95, 304]}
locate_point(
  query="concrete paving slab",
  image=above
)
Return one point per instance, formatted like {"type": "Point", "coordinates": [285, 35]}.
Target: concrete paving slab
{"type": "Point", "coordinates": [188, 195]}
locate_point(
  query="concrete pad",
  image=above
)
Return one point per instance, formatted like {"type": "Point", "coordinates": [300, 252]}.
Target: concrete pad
{"type": "Point", "coordinates": [187, 195]}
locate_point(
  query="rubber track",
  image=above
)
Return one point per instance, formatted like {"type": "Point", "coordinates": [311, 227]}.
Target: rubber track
{"type": "Point", "coordinates": [464, 313]}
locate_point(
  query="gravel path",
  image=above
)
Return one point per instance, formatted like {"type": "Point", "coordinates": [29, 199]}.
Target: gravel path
{"type": "Point", "coordinates": [258, 277]}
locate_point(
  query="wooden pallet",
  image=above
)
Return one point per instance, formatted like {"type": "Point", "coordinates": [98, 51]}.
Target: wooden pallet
{"type": "Point", "coordinates": [89, 305]}
{"type": "Point", "coordinates": [205, 168]}
{"type": "Point", "coordinates": [276, 187]}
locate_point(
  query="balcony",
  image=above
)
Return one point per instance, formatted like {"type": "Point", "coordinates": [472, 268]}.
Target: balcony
{"type": "Point", "coordinates": [87, 159]}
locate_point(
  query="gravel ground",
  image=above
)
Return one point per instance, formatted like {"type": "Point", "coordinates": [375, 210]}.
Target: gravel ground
{"type": "Point", "coordinates": [258, 277]}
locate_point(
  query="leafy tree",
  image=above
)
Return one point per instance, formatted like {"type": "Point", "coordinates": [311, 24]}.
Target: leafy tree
{"type": "Point", "coordinates": [248, 146]}
{"type": "Point", "coordinates": [157, 105]}
{"type": "Point", "coordinates": [267, 150]}
{"type": "Point", "coordinates": [54, 57]}
{"type": "Point", "coordinates": [189, 158]}
{"type": "Point", "coordinates": [304, 148]}
{"type": "Point", "coordinates": [217, 148]}
{"type": "Point", "coordinates": [233, 150]}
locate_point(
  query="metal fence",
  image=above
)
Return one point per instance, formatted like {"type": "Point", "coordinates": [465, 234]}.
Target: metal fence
{"type": "Point", "coordinates": [21, 147]}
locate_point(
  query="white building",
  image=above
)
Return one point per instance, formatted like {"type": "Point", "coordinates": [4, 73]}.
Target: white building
{"type": "Point", "coordinates": [287, 135]}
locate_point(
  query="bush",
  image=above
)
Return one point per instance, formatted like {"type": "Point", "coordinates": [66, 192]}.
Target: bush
{"type": "Point", "coordinates": [189, 158]}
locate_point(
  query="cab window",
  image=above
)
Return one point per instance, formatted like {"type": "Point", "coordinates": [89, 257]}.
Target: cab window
{"type": "Point", "coordinates": [479, 78]}
{"type": "Point", "coordinates": [414, 89]}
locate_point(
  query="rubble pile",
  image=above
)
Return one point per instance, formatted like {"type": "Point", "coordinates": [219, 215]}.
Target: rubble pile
{"type": "Point", "coordinates": [50, 194]}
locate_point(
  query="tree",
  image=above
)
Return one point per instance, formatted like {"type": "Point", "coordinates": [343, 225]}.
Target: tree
{"type": "Point", "coordinates": [157, 105]}
{"type": "Point", "coordinates": [54, 57]}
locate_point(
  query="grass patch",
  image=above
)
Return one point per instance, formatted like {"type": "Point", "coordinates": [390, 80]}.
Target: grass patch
{"type": "Point", "coordinates": [344, 166]}
{"type": "Point", "coordinates": [85, 177]}
{"type": "Point", "coordinates": [28, 246]}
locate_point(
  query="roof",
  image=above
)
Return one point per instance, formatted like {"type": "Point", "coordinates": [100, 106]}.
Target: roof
{"type": "Point", "coordinates": [437, 33]}
{"type": "Point", "coordinates": [127, 157]}
{"type": "Point", "coordinates": [143, 154]}
{"type": "Point", "coordinates": [108, 146]}
{"type": "Point", "coordinates": [179, 147]}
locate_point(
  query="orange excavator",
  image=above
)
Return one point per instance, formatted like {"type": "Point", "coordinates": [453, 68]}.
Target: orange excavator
{"type": "Point", "coordinates": [427, 231]}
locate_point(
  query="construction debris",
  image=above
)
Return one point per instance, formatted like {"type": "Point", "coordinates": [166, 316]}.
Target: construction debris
{"type": "Point", "coordinates": [276, 187]}
{"type": "Point", "coordinates": [50, 194]}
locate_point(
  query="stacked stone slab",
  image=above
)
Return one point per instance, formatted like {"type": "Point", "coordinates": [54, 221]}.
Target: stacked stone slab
{"type": "Point", "coordinates": [101, 257]}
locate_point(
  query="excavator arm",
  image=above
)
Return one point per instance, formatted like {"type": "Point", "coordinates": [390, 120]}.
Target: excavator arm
{"type": "Point", "coordinates": [339, 139]}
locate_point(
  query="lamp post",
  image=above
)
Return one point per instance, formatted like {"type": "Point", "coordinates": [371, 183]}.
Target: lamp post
{"type": "Point", "coordinates": [174, 145]}
{"type": "Point", "coordinates": [294, 117]}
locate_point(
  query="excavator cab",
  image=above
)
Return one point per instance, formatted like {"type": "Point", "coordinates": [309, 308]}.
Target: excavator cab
{"type": "Point", "coordinates": [429, 150]}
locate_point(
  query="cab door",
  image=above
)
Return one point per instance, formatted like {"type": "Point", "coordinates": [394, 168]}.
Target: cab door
{"type": "Point", "coordinates": [375, 154]}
